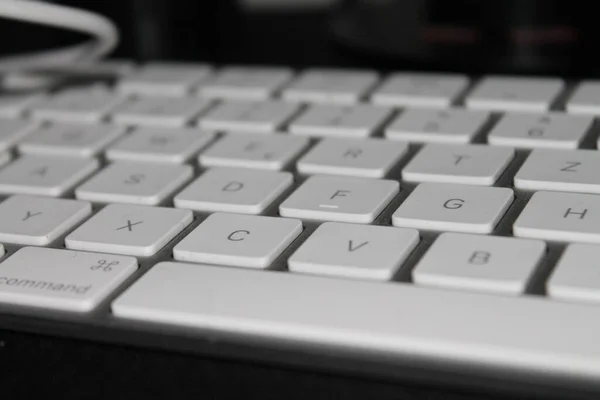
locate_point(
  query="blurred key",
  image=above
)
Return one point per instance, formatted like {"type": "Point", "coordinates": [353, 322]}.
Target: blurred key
{"type": "Point", "coordinates": [340, 199]}
{"type": "Point", "coordinates": [420, 90]}
{"type": "Point", "coordinates": [585, 99]}
{"type": "Point", "coordinates": [79, 106]}
{"type": "Point", "coordinates": [551, 130]}
{"type": "Point", "coordinates": [163, 112]}
{"type": "Point", "coordinates": [145, 144]}
{"type": "Point", "coordinates": [560, 170]}
{"type": "Point", "coordinates": [137, 183]}
{"type": "Point", "coordinates": [44, 176]}
{"type": "Point", "coordinates": [14, 130]}
{"type": "Point", "coordinates": [502, 93]}
{"type": "Point", "coordinates": [237, 190]}
{"type": "Point", "coordinates": [39, 221]}
{"type": "Point", "coordinates": [164, 79]}
{"type": "Point", "coordinates": [248, 116]}
{"type": "Point", "coordinates": [331, 86]}
{"type": "Point", "coordinates": [437, 126]}
{"type": "Point", "coordinates": [340, 121]}
{"type": "Point", "coordinates": [238, 240]}
{"type": "Point", "coordinates": [471, 164]}
{"type": "Point", "coordinates": [368, 158]}
{"type": "Point", "coordinates": [249, 83]}
{"type": "Point", "coordinates": [273, 152]}
{"type": "Point", "coordinates": [73, 140]}
{"type": "Point", "coordinates": [482, 263]}
{"type": "Point", "coordinates": [129, 229]}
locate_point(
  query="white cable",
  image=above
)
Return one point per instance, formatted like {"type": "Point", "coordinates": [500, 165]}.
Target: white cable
{"type": "Point", "coordinates": [102, 29]}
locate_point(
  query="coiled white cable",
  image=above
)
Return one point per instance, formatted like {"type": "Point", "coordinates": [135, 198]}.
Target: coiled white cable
{"type": "Point", "coordinates": [105, 36]}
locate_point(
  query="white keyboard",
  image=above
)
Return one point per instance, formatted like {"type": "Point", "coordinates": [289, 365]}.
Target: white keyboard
{"type": "Point", "coordinates": [420, 216]}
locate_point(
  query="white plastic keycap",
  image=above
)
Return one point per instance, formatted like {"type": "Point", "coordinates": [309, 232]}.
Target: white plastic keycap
{"type": "Point", "coordinates": [136, 183]}
{"type": "Point", "coordinates": [71, 140]}
{"type": "Point", "coordinates": [368, 158]}
{"type": "Point", "coordinates": [423, 125]}
{"type": "Point", "coordinates": [272, 152]}
{"type": "Point", "coordinates": [354, 251]}
{"type": "Point", "coordinates": [43, 175]}
{"type": "Point", "coordinates": [332, 86]}
{"type": "Point", "coordinates": [505, 93]}
{"type": "Point", "coordinates": [491, 264]}
{"type": "Point", "coordinates": [174, 146]}
{"type": "Point", "coordinates": [521, 334]}
{"type": "Point", "coordinates": [160, 112]}
{"type": "Point", "coordinates": [532, 130]}
{"type": "Point", "coordinates": [355, 121]}
{"type": "Point", "coordinates": [250, 83]}
{"type": "Point", "coordinates": [63, 280]}
{"type": "Point", "coordinates": [560, 170]}
{"type": "Point", "coordinates": [238, 240]}
{"type": "Point", "coordinates": [449, 207]}
{"type": "Point", "coordinates": [248, 116]}
{"type": "Point", "coordinates": [39, 221]}
{"type": "Point", "coordinates": [575, 276]}
{"type": "Point", "coordinates": [236, 190]}
{"type": "Point", "coordinates": [420, 90]}
{"type": "Point", "coordinates": [565, 217]}
{"type": "Point", "coordinates": [129, 229]}
{"type": "Point", "coordinates": [474, 164]}
{"type": "Point", "coordinates": [164, 79]}
{"type": "Point", "coordinates": [78, 106]}
{"type": "Point", "coordinates": [341, 199]}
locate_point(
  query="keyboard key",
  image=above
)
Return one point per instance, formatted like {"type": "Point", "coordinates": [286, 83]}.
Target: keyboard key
{"type": "Point", "coordinates": [236, 190]}
{"type": "Point", "coordinates": [274, 152]}
{"type": "Point", "coordinates": [37, 220]}
{"type": "Point", "coordinates": [129, 229]}
{"type": "Point", "coordinates": [575, 276]}
{"type": "Point", "coordinates": [136, 183]}
{"type": "Point", "coordinates": [398, 320]}
{"type": "Point", "coordinates": [164, 79]}
{"type": "Point", "coordinates": [449, 207]}
{"type": "Point", "coordinates": [174, 146]}
{"type": "Point", "coordinates": [340, 121]}
{"type": "Point", "coordinates": [44, 176]}
{"type": "Point", "coordinates": [552, 130]}
{"type": "Point", "coordinates": [246, 83]}
{"type": "Point", "coordinates": [340, 199]}
{"type": "Point", "coordinates": [13, 131]}
{"type": "Point", "coordinates": [439, 126]}
{"type": "Point", "coordinates": [78, 106]}
{"type": "Point", "coordinates": [163, 112]}
{"type": "Point", "coordinates": [331, 86]}
{"type": "Point", "coordinates": [61, 279]}
{"type": "Point", "coordinates": [72, 140]}
{"type": "Point", "coordinates": [420, 90]}
{"type": "Point", "coordinates": [15, 105]}
{"type": "Point", "coordinates": [585, 99]}
{"type": "Point", "coordinates": [354, 251]}
{"type": "Point", "coordinates": [367, 158]}
{"type": "Point", "coordinates": [515, 94]}
{"type": "Point", "coordinates": [565, 217]}
{"type": "Point", "coordinates": [482, 263]}
{"type": "Point", "coordinates": [248, 116]}
{"type": "Point", "coordinates": [238, 240]}
{"type": "Point", "coordinates": [560, 170]}
{"type": "Point", "coordinates": [465, 164]}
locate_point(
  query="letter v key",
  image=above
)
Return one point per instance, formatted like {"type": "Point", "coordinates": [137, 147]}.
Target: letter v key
{"type": "Point", "coordinates": [351, 247]}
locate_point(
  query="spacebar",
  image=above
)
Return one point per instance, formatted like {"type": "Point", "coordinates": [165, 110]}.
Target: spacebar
{"type": "Point", "coordinates": [532, 334]}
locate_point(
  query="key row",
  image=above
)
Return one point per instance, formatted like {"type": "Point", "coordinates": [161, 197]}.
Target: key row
{"type": "Point", "coordinates": [554, 216]}
{"type": "Point", "coordinates": [418, 125]}
{"type": "Point", "coordinates": [74, 280]}
{"type": "Point", "coordinates": [252, 190]}
{"type": "Point", "coordinates": [336, 86]}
